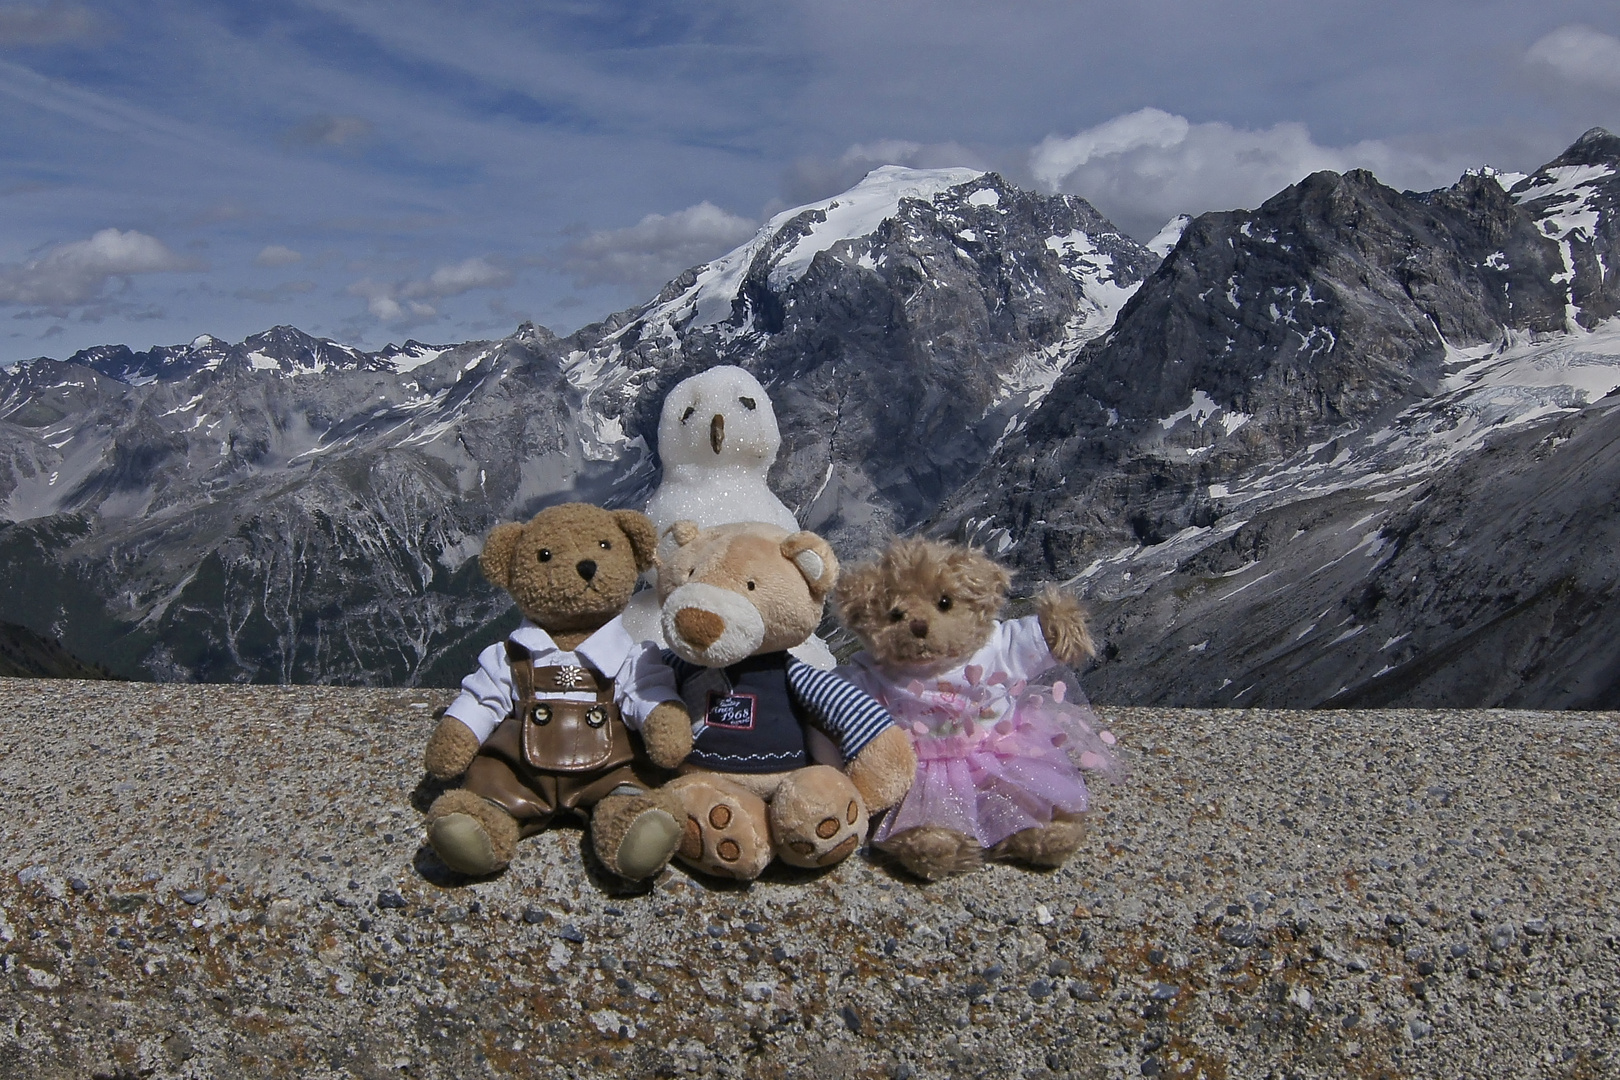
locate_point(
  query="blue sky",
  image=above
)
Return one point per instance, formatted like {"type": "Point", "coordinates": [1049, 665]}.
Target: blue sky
{"type": "Point", "coordinates": [372, 171]}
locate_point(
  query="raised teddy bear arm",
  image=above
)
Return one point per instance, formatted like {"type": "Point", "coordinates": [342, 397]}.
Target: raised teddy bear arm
{"type": "Point", "coordinates": [450, 750]}
{"type": "Point", "coordinates": [884, 769]}
{"type": "Point", "coordinates": [667, 734]}
{"type": "Point", "coordinates": [1063, 624]}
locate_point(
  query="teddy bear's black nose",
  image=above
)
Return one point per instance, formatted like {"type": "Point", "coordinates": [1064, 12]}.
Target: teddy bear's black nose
{"type": "Point", "coordinates": [586, 568]}
{"type": "Point", "coordinates": [919, 627]}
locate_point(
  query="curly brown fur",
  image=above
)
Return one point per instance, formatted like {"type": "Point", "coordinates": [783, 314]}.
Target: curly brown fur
{"type": "Point", "coordinates": [450, 750]}
{"type": "Point", "coordinates": [667, 735]}
{"type": "Point", "coordinates": [1047, 846]}
{"type": "Point", "coordinates": [571, 567]}
{"type": "Point", "coordinates": [923, 602]}
{"type": "Point", "coordinates": [933, 853]}
{"type": "Point", "coordinates": [1063, 623]}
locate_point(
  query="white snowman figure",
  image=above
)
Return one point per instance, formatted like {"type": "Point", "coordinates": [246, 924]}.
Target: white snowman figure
{"type": "Point", "coordinates": [718, 439]}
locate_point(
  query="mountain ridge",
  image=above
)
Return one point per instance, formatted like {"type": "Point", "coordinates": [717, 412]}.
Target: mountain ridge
{"type": "Point", "coordinates": [945, 352]}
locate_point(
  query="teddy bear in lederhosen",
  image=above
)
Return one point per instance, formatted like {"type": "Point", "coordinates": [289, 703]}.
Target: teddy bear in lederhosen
{"type": "Point", "coordinates": [569, 714]}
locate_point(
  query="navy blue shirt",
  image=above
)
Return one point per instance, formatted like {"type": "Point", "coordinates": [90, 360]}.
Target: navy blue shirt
{"type": "Point", "coordinates": [751, 716]}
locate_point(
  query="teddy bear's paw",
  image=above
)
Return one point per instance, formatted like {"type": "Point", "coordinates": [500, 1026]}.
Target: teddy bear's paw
{"type": "Point", "coordinates": [1063, 624]}
{"type": "Point", "coordinates": [1046, 846]}
{"type": "Point", "coordinates": [450, 749]}
{"type": "Point", "coordinates": [470, 834]}
{"type": "Point", "coordinates": [634, 837]}
{"type": "Point", "coordinates": [726, 831]}
{"type": "Point", "coordinates": [933, 853]}
{"type": "Point", "coordinates": [818, 817]}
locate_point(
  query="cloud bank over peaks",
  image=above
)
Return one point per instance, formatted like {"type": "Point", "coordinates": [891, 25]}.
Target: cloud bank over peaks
{"type": "Point", "coordinates": [1579, 54]}
{"type": "Point", "coordinates": [407, 302]}
{"type": "Point", "coordinates": [1145, 167]}
{"type": "Point", "coordinates": [75, 275]}
{"type": "Point", "coordinates": [657, 248]}
{"type": "Point", "coordinates": [812, 179]}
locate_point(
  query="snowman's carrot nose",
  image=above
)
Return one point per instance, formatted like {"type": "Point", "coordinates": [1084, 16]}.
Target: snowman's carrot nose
{"type": "Point", "coordinates": [717, 431]}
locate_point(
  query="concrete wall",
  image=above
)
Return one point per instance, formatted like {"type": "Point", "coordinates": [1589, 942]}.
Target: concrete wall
{"type": "Point", "coordinates": [203, 881]}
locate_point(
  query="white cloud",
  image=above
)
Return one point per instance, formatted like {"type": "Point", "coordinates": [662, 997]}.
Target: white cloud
{"type": "Point", "coordinates": [277, 255]}
{"type": "Point", "coordinates": [1145, 167]}
{"type": "Point", "coordinates": [1152, 129]}
{"type": "Point", "coordinates": [464, 276]}
{"type": "Point", "coordinates": [656, 248]}
{"type": "Point", "coordinates": [382, 301]}
{"type": "Point", "coordinates": [1579, 54]}
{"type": "Point", "coordinates": [405, 302]}
{"type": "Point", "coordinates": [810, 179]}
{"type": "Point", "coordinates": [74, 274]}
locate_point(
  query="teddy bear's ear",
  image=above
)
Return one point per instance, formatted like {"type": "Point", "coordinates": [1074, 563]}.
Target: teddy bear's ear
{"type": "Point", "coordinates": [981, 581]}
{"type": "Point", "coordinates": [638, 528]}
{"type": "Point", "coordinates": [859, 594]}
{"type": "Point", "coordinates": [683, 532]}
{"type": "Point", "coordinates": [496, 561]}
{"type": "Point", "coordinates": [815, 559]}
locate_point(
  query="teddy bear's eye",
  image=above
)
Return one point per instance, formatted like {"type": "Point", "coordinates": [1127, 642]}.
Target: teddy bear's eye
{"type": "Point", "coordinates": [944, 603]}
{"type": "Point", "coordinates": [750, 586]}
{"type": "Point", "coordinates": [687, 415]}
{"type": "Point", "coordinates": [748, 403]}
{"type": "Point", "coordinates": [544, 554]}
{"type": "Point", "coordinates": [692, 571]}
{"type": "Point", "coordinates": [604, 545]}
{"type": "Point", "coordinates": [896, 615]}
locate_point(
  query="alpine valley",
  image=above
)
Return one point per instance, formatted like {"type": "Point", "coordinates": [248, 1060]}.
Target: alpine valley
{"type": "Point", "coordinates": [1354, 447]}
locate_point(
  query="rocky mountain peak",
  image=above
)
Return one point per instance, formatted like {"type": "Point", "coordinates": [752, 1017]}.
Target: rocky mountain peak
{"type": "Point", "coordinates": [1598, 146]}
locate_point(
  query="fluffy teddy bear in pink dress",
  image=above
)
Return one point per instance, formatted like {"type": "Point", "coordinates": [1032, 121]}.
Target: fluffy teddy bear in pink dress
{"type": "Point", "coordinates": [1001, 729]}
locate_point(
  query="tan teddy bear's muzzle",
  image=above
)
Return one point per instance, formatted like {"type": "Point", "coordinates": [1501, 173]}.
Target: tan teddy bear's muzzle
{"type": "Point", "coordinates": [710, 626]}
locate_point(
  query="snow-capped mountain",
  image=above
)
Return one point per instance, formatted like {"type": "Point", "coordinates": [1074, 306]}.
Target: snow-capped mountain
{"type": "Point", "coordinates": [902, 328]}
{"type": "Point", "coordinates": [292, 509]}
{"type": "Point", "coordinates": [1228, 471]}
{"type": "Point", "coordinates": [1356, 445]}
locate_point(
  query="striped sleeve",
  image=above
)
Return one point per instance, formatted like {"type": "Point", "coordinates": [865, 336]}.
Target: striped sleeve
{"type": "Point", "coordinates": [839, 707]}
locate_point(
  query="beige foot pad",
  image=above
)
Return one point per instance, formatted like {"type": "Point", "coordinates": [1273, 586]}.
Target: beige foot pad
{"type": "Point", "coordinates": [470, 833]}
{"type": "Point", "coordinates": [726, 832]}
{"type": "Point", "coordinates": [648, 844]}
{"type": "Point", "coordinates": [817, 817]}
{"type": "Point", "coordinates": [463, 844]}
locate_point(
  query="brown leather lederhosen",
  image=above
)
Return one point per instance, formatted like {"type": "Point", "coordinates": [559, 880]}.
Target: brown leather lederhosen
{"type": "Point", "coordinates": [552, 753]}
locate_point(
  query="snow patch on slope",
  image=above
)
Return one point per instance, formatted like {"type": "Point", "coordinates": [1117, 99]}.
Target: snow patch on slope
{"type": "Point", "coordinates": [857, 212]}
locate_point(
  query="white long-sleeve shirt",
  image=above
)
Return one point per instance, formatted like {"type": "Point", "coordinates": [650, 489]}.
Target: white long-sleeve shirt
{"type": "Point", "coordinates": [641, 679]}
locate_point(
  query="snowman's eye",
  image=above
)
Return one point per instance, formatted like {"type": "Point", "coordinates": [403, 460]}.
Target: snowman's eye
{"type": "Point", "coordinates": [748, 403]}
{"type": "Point", "coordinates": [687, 415]}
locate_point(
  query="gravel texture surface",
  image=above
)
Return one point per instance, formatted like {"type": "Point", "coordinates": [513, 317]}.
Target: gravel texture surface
{"type": "Point", "coordinates": [213, 882]}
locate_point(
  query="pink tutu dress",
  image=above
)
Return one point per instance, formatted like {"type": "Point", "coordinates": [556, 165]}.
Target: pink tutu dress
{"type": "Point", "coordinates": [1000, 740]}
